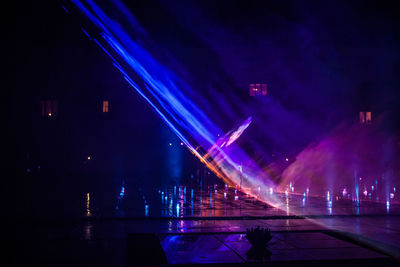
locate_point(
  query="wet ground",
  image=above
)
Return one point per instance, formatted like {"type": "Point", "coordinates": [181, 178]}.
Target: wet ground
{"type": "Point", "coordinates": [207, 225]}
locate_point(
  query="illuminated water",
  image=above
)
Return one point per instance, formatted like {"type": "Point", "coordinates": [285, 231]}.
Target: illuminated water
{"type": "Point", "coordinates": [106, 198]}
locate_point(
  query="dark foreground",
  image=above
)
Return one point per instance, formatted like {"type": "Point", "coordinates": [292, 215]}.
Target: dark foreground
{"type": "Point", "coordinates": [210, 230]}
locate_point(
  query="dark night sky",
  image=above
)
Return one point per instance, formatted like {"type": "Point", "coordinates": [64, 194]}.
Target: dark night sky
{"type": "Point", "coordinates": [336, 56]}
{"type": "Point", "coordinates": [327, 60]}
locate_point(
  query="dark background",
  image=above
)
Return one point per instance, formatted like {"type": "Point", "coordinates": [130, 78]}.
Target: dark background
{"type": "Point", "coordinates": [327, 60]}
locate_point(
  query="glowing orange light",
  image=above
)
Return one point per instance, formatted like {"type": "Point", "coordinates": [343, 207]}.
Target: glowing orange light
{"type": "Point", "coordinates": [105, 106]}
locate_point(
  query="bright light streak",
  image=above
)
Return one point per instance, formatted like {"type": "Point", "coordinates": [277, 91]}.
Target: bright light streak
{"type": "Point", "coordinates": [167, 96]}
{"type": "Point", "coordinates": [88, 211]}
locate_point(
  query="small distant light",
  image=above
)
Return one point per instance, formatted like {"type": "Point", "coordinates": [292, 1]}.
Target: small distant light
{"type": "Point", "coordinates": [236, 197]}
{"type": "Point", "coordinates": [89, 157]}
{"type": "Point", "coordinates": [287, 159]}
{"type": "Point", "coordinates": [181, 143]}
{"type": "Point", "coordinates": [49, 114]}
{"type": "Point", "coordinates": [391, 195]}
{"type": "Point", "coordinates": [170, 144]}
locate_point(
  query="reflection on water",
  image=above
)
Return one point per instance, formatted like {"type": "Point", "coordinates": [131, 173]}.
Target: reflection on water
{"type": "Point", "coordinates": [88, 231]}
{"type": "Point", "coordinates": [202, 200]}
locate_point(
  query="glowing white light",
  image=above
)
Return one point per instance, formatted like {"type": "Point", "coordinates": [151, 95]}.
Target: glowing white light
{"type": "Point", "coordinates": [391, 195]}
{"type": "Point", "coordinates": [287, 159]}
{"type": "Point", "coordinates": [365, 193]}
{"type": "Point", "coordinates": [271, 190]}
{"type": "Point", "coordinates": [236, 197]}
{"type": "Point", "coordinates": [235, 135]}
{"type": "Point", "coordinates": [89, 158]}
{"type": "Point", "coordinates": [170, 144]}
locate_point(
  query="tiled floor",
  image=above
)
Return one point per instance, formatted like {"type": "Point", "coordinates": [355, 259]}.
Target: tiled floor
{"type": "Point", "coordinates": [187, 249]}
